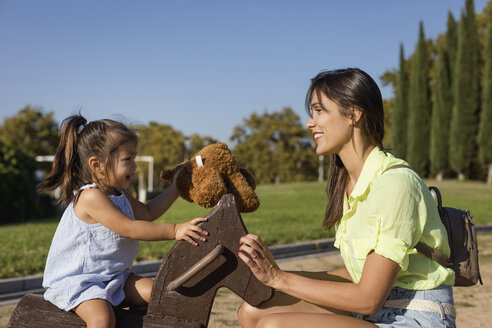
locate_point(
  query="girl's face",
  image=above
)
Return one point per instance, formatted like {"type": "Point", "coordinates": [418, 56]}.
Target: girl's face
{"type": "Point", "coordinates": [124, 166]}
{"type": "Point", "coordinates": [332, 131]}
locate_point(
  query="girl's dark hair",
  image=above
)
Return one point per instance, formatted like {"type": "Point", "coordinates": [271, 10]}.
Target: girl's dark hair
{"type": "Point", "coordinates": [349, 88]}
{"type": "Point", "coordinates": [79, 141]}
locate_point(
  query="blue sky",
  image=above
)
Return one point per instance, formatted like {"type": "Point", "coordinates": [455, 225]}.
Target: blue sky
{"type": "Point", "coordinates": [199, 66]}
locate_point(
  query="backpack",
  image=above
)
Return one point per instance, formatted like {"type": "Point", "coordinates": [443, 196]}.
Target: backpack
{"type": "Point", "coordinates": [462, 242]}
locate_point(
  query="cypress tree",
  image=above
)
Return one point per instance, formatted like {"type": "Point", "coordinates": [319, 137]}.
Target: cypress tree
{"type": "Point", "coordinates": [452, 45]}
{"type": "Point", "coordinates": [400, 110]}
{"type": "Point", "coordinates": [419, 113]}
{"type": "Point", "coordinates": [441, 114]}
{"type": "Point", "coordinates": [484, 138]}
{"type": "Point", "coordinates": [464, 122]}
{"type": "Point", "coordinates": [452, 52]}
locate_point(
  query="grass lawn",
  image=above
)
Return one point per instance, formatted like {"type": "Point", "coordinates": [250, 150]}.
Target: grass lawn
{"type": "Point", "coordinates": [288, 213]}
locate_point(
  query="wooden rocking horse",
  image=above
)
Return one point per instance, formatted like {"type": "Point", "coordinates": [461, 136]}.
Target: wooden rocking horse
{"type": "Point", "coordinates": [185, 285]}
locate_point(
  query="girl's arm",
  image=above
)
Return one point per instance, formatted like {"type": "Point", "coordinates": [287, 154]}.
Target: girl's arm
{"type": "Point", "coordinates": [94, 206]}
{"type": "Point", "coordinates": [366, 297]}
{"type": "Point", "coordinates": [156, 206]}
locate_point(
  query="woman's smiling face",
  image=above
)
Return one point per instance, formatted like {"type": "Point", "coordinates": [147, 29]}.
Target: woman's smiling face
{"type": "Point", "coordinates": [332, 131]}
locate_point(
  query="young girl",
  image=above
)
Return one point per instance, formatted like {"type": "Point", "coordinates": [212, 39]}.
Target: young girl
{"type": "Point", "coordinates": [97, 239]}
{"type": "Point", "coordinates": [379, 217]}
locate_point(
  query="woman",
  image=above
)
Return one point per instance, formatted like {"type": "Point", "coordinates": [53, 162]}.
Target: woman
{"type": "Point", "coordinates": [379, 217]}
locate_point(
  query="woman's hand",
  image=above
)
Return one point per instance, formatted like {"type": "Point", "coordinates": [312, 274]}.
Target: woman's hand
{"type": "Point", "coordinates": [190, 232]}
{"type": "Point", "coordinates": [258, 257]}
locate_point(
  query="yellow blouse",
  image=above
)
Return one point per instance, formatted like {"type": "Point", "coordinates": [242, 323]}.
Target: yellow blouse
{"type": "Point", "coordinates": [389, 213]}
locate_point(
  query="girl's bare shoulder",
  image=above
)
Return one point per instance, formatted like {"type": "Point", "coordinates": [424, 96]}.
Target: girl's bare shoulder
{"type": "Point", "coordinates": [88, 199]}
{"type": "Point", "coordinates": [90, 195]}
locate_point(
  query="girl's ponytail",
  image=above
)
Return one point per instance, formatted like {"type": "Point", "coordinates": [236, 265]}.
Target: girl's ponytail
{"type": "Point", "coordinates": [66, 172]}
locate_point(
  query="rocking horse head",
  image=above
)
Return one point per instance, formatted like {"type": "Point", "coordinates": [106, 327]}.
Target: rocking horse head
{"type": "Point", "coordinates": [189, 277]}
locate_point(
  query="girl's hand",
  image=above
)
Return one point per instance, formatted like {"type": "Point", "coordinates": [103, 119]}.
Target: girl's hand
{"type": "Point", "coordinates": [260, 260]}
{"type": "Point", "coordinates": [175, 176]}
{"type": "Point", "coordinates": [190, 232]}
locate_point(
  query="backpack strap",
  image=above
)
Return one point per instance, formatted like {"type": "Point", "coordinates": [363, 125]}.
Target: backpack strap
{"type": "Point", "coordinates": [443, 214]}
{"type": "Point", "coordinates": [433, 254]}
{"type": "Point", "coordinates": [438, 196]}
{"type": "Point", "coordinates": [397, 166]}
{"type": "Point", "coordinates": [422, 248]}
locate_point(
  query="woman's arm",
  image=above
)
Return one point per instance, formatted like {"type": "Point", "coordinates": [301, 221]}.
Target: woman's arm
{"type": "Point", "coordinates": [156, 206]}
{"type": "Point", "coordinates": [95, 206]}
{"type": "Point", "coordinates": [341, 273]}
{"type": "Point", "coordinates": [366, 297]}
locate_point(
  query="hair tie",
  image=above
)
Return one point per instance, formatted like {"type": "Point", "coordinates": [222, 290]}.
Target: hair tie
{"type": "Point", "coordinates": [82, 127]}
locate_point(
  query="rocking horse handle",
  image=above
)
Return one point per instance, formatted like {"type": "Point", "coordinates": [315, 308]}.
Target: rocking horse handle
{"type": "Point", "coordinates": [199, 266]}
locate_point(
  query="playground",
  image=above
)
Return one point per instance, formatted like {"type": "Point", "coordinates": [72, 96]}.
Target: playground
{"type": "Point", "coordinates": [472, 303]}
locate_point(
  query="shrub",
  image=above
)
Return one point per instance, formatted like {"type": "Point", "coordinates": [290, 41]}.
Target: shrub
{"type": "Point", "coordinates": [17, 184]}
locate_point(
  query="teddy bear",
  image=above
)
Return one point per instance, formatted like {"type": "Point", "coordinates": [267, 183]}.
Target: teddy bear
{"type": "Point", "coordinates": [210, 174]}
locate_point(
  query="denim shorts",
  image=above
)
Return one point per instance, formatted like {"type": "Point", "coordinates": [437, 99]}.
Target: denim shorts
{"type": "Point", "coordinates": [391, 317]}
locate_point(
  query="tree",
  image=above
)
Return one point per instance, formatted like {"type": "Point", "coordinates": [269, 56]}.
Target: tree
{"type": "Point", "coordinates": [484, 138]}
{"type": "Point", "coordinates": [32, 130]}
{"type": "Point", "coordinates": [388, 106]}
{"type": "Point", "coordinates": [400, 111]}
{"type": "Point", "coordinates": [464, 122]}
{"type": "Point", "coordinates": [196, 143]}
{"type": "Point", "coordinates": [441, 114]}
{"type": "Point", "coordinates": [17, 183]}
{"type": "Point", "coordinates": [389, 78]}
{"type": "Point", "coordinates": [275, 147]}
{"type": "Point", "coordinates": [419, 115]}
{"type": "Point", "coordinates": [451, 46]}
{"type": "Point", "coordinates": [165, 144]}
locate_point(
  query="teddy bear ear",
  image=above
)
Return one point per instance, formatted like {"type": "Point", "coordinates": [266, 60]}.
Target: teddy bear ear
{"type": "Point", "coordinates": [166, 175]}
{"type": "Point", "coordinates": [184, 183]}
{"type": "Point", "coordinates": [250, 179]}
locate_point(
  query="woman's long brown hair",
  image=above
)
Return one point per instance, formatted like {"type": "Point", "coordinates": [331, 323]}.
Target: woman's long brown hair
{"type": "Point", "coordinates": [349, 88]}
